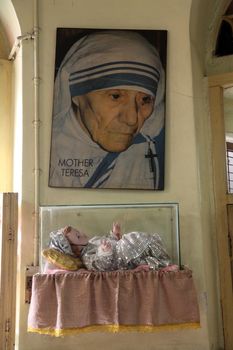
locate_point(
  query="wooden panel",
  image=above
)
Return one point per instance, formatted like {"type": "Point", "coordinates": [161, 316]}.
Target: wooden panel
{"type": "Point", "coordinates": [221, 80]}
{"type": "Point", "coordinates": [8, 260]}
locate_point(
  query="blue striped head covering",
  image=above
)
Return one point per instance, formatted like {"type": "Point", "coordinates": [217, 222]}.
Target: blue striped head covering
{"type": "Point", "coordinates": [106, 60]}
{"type": "Point", "coordinates": [115, 60]}
{"type": "Point", "coordinates": [126, 74]}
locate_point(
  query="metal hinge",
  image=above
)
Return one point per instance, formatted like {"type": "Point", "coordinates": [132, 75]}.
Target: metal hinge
{"type": "Point", "coordinates": [7, 325]}
{"type": "Point", "coordinates": [229, 245]}
{"type": "Point", "coordinates": [11, 234]}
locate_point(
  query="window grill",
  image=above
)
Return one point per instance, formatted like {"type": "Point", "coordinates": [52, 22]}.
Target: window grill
{"type": "Point", "coordinates": [229, 154]}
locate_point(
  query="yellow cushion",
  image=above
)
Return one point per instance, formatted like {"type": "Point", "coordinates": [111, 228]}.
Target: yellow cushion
{"type": "Point", "coordinates": [62, 260]}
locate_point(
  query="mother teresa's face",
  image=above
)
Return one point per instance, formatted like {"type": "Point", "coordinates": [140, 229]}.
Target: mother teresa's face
{"type": "Point", "coordinates": [113, 117]}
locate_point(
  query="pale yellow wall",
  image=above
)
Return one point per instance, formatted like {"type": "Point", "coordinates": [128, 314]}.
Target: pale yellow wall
{"type": "Point", "coordinates": [4, 44]}
{"type": "Point", "coordinates": [6, 127]}
{"type": "Point", "coordinates": [182, 181]}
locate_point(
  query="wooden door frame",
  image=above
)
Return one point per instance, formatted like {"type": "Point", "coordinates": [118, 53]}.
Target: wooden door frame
{"type": "Point", "coordinates": [8, 262]}
{"type": "Point", "coordinates": [221, 199]}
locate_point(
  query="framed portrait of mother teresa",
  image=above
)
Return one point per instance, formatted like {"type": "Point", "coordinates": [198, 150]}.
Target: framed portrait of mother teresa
{"type": "Point", "coordinates": [108, 122]}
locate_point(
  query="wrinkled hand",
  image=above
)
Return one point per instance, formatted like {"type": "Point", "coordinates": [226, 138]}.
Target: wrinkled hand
{"type": "Point", "coordinates": [116, 230]}
{"type": "Point", "coordinates": [142, 268]}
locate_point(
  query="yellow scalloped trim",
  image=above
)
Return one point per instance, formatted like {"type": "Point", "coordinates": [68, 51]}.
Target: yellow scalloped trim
{"type": "Point", "coordinates": [114, 329]}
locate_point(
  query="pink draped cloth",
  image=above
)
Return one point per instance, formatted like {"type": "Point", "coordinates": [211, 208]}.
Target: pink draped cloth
{"type": "Point", "coordinates": [136, 298]}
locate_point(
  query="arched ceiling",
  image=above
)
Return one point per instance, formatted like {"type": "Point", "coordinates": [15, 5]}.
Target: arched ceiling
{"type": "Point", "coordinates": [9, 27]}
{"type": "Point", "coordinates": [205, 21]}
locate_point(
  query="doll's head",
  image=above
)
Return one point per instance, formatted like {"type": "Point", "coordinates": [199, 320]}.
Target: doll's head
{"type": "Point", "coordinates": [78, 240]}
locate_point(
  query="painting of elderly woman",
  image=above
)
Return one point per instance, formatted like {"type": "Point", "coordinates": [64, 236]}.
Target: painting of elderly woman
{"type": "Point", "coordinates": [108, 123]}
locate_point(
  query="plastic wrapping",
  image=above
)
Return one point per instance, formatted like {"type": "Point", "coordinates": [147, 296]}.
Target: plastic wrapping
{"type": "Point", "coordinates": [59, 242]}
{"type": "Point", "coordinates": [132, 250]}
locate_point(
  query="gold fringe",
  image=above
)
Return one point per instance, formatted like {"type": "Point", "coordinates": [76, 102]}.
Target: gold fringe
{"type": "Point", "coordinates": [113, 329]}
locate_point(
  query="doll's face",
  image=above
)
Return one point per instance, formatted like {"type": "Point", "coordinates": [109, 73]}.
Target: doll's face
{"type": "Point", "coordinates": [77, 239]}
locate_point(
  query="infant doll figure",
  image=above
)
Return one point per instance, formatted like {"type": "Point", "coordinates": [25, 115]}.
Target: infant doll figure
{"type": "Point", "coordinates": [133, 250]}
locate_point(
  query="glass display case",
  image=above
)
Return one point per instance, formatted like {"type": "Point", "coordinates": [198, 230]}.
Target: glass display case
{"type": "Point", "coordinates": [97, 219]}
{"type": "Point", "coordinates": [119, 300]}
